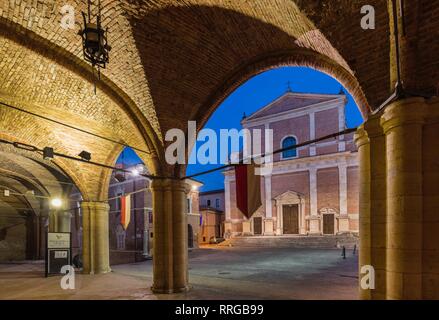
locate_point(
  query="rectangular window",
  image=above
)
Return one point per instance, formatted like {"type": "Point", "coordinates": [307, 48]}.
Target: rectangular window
{"type": "Point", "coordinates": [208, 203]}
{"type": "Point", "coordinates": [217, 203]}
{"type": "Point", "coordinates": [188, 205]}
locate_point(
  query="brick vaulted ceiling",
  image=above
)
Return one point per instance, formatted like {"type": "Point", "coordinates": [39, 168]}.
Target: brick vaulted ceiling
{"type": "Point", "coordinates": [173, 61]}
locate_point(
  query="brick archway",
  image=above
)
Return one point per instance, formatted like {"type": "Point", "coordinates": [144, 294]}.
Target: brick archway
{"type": "Point", "coordinates": [296, 58]}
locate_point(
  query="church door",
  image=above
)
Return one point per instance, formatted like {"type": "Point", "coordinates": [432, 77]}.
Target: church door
{"type": "Point", "coordinates": [257, 225]}
{"type": "Point", "coordinates": [290, 219]}
{"type": "Point", "coordinates": [328, 224]}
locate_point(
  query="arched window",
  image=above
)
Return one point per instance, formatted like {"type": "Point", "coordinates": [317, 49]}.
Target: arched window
{"type": "Point", "coordinates": [288, 142]}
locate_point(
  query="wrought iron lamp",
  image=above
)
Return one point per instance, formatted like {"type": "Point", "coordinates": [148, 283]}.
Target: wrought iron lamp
{"type": "Point", "coordinates": [94, 40]}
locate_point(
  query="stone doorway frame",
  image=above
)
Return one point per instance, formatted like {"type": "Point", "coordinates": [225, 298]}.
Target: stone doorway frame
{"type": "Point", "coordinates": [328, 210]}
{"type": "Point", "coordinates": [290, 198]}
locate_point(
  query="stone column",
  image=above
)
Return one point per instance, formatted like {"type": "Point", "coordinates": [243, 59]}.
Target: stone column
{"type": "Point", "coordinates": [312, 133]}
{"type": "Point", "coordinates": [362, 142]}
{"type": "Point", "coordinates": [372, 216]}
{"type": "Point", "coordinates": [430, 206]}
{"type": "Point", "coordinates": [170, 252]}
{"type": "Point", "coordinates": [403, 122]}
{"type": "Point", "coordinates": [268, 221]}
{"type": "Point", "coordinates": [314, 220]}
{"type": "Point", "coordinates": [377, 203]}
{"type": "Point", "coordinates": [63, 221]}
{"type": "Point", "coordinates": [227, 199]}
{"type": "Point", "coordinates": [95, 237]}
{"type": "Point", "coordinates": [341, 127]}
{"type": "Point", "coordinates": [343, 219]}
{"type": "Point", "coordinates": [53, 220]}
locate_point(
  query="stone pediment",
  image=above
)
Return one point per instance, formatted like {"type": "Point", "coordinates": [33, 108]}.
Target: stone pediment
{"type": "Point", "coordinates": [327, 210]}
{"type": "Point", "coordinates": [259, 212]}
{"type": "Point", "coordinates": [289, 196]}
{"type": "Point", "coordinates": [291, 101]}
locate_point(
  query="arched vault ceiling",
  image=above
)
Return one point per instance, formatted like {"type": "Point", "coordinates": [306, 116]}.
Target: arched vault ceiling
{"type": "Point", "coordinates": [43, 87]}
{"type": "Point", "coordinates": [174, 58]}
{"type": "Point", "coordinates": [44, 178]}
{"type": "Point", "coordinates": [169, 56]}
{"type": "Point", "coordinates": [43, 18]}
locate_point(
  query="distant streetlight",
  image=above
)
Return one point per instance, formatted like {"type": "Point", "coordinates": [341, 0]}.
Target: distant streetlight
{"type": "Point", "coordinates": [135, 172]}
{"type": "Point", "coordinates": [194, 188]}
{"type": "Point", "coordinates": [56, 202]}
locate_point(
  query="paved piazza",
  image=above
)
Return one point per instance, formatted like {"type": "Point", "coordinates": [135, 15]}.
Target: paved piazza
{"type": "Point", "coordinates": [226, 273]}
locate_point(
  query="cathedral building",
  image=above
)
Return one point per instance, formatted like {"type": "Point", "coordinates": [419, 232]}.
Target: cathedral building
{"type": "Point", "coordinates": [312, 189]}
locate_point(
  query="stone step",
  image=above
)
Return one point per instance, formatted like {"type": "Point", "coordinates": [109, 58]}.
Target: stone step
{"type": "Point", "coordinates": [317, 242]}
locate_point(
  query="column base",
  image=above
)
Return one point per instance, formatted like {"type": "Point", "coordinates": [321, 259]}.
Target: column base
{"type": "Point", "coordinates": [96, 272]}
{"type": "Point", "coordinates": [343, 223]}
{"type": "Point", "coordinates": [169, 291]}
{"type": "Point", "coordinates": [246, 228]}
{"type": "Point", "coordinates": [314, 225]}
{"type": "Point", "coordinates": [268, 227]}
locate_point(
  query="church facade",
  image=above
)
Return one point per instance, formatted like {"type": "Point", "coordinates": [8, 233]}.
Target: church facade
{"type": "Point", "coordinates": [312, 189]}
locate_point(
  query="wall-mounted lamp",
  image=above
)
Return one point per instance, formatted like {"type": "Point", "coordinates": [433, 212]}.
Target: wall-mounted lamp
{"type": "Point", "coordinates": [48, 153]}
{"type": "Point", "coordinates": [85, 155]}
{"type": "Point", "coordinates": [56, 202]}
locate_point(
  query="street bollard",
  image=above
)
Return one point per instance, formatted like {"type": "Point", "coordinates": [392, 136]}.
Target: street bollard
{"type": "Point", "coordinates": [343, 253]}
{"type": "Point", "coordinates": [355, 249]}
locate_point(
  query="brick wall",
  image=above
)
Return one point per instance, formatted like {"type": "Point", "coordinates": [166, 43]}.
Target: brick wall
{"type": "Point", "coordinates": [328, 188]}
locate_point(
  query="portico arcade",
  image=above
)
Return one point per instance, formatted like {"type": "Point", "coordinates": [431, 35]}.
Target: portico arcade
{"type": "Point", "coordinates": [172, 62]}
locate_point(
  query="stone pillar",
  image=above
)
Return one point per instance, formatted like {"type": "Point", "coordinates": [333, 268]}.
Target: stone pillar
{"type": "Point", "coordinates": [403, 122]}
{"type": "Point", "coordinates": [95, 237]}
{"type": "Point", "coordinates": [268, 221]}
{"type": "Point", "coordinates": [341, 127]}
{"type": "Point", "coordinates": [363, 146]}
{"type": "Point", "coordinates": [246, 227]}
{"type": "Point", "coordinates": [343, 219]}
{"type": "Point", "coordinates": [170, 252]}
{"type": "Point", "coordinates": [227, 199]}
{"type": "Point", "coordinates": [53, 220]}
{"type": "Point", "coordinates": [63, 221]}
{"type": "Point", "coordinates": [314, 220]}
{"type": "Point", "coordinates": [312, 133]}
{"type": "Point", "coordinates": [378, 229]}
{"type": "Point", "coordinates": [372, 218]}
{"type": "Point", "coordinates": [430, 206]}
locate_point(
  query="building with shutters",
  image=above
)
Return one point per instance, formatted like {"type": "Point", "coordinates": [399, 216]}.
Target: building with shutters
{"type": "Point", "coordinates": [312, 189]}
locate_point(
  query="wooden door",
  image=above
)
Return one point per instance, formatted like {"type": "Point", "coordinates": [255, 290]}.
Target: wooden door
{"type": "Point", "coordinates": [257, 225]}
{"type": "Point", "coordinates": [290, 219]}
{"type": "Point", "coordinates": [328, 224]}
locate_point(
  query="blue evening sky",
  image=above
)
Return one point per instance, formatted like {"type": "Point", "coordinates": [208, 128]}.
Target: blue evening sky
{"type": "Point", "coordinates": [253, 95]}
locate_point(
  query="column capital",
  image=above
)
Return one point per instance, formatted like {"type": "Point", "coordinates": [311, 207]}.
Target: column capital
{"type": "Point", "coordinates": [360, 137]}
{"type": "Point", "coordinates": [168, 184]}
{"type": "Point", "coordinates": [373, 126]}
{"type": "Point", "coordinates": [95, 205]}
{"type": "Point", "coordinates": [404, 112]}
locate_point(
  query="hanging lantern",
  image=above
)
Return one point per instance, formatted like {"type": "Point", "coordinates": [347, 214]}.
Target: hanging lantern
{"type": "Point", "coordinates": [94, 40]}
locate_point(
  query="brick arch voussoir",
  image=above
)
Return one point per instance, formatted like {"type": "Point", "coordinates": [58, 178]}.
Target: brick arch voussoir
{"type": "Point", "coordinates": [299, 57]}
{"type": "Point", "coordinates": [288, 58]}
